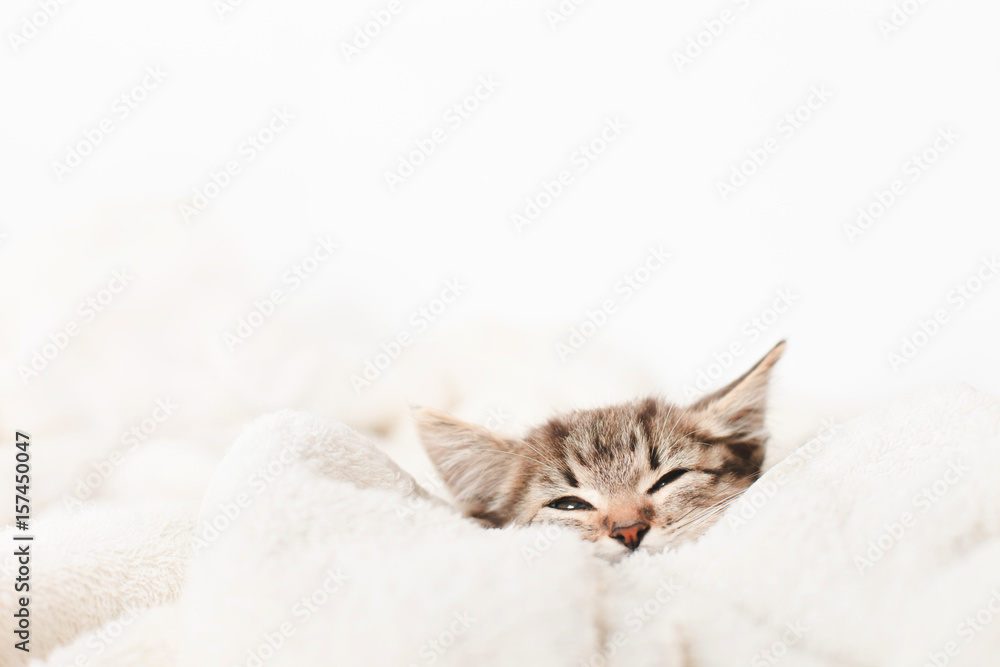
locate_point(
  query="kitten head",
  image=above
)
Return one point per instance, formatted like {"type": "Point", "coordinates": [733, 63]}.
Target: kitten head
{"type": "Point", "coordinates": [645, 473]}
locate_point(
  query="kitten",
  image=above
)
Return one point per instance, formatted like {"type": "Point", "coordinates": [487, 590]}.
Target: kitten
{"type": "Point", "coordinates": [640, 474]}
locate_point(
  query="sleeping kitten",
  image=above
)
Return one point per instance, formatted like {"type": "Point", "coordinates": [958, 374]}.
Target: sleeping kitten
{"type": "Point", "coordinates": [645, 473]}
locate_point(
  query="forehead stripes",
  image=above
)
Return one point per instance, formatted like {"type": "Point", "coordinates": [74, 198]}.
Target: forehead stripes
{"type": "Point", "coordinates": [654, 456]}
{"type": "Point", "coordinates": [614, 443]}
{"type": "Point", "coordinates": [615, 446]}
{"type": "Point", "coordinates": [647, 422]}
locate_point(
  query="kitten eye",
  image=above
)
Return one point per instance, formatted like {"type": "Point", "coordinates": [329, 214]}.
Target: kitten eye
{"type": "Point", "coordinates": [570, 503]}
{"type": "Point", "coordinates": [671, 476]}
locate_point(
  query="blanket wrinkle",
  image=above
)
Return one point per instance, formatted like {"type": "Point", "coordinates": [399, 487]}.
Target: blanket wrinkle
{"type": "Point", "coordinates": [874, 545]}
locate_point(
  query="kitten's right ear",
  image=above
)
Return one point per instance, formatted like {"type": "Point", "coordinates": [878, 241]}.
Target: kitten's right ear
{"type": "Point", "coordinates": [475, 464]}
{"type": "Point", "coordinates": [736, 412]}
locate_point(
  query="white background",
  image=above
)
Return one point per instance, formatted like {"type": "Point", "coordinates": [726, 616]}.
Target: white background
{"type": "Point", "coordinates": [655, 185]}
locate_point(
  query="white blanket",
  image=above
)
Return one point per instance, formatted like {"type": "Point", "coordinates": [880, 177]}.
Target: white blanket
{"type": "Point", "coordinates": [878, 543]}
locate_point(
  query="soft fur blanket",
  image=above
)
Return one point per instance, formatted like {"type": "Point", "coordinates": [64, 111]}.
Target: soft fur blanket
{"type": "Point", "coordinates": [877, 543]}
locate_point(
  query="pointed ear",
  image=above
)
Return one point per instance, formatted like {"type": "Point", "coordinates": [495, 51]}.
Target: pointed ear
{"type": "Point", "coordinates": [737, 410]}
{"type": "Point", "coordinates": [477, 466]}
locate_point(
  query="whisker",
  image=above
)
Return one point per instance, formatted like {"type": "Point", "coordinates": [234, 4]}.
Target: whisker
{"type": "Point", "coordinates": [666, 420]}
{"type": "Point", "coordinates": [548, 459]}
{"type": "Point", "coordinates": [706, 513]}
{"type": "Point", "coordinates": [503, 451]}
{"type": "Point", "coordinates": [677, 422]}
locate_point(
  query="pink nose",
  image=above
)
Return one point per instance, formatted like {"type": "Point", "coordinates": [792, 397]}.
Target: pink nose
{"type": "Point", "coordinates": [630, 536]}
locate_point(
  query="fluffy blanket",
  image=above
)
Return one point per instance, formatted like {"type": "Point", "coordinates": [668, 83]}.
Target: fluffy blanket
{"type": "Point", "coordinates": [877, 543]}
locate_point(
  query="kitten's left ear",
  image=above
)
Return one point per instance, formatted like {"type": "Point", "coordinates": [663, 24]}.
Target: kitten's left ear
{"type": "Point", "coordinates": [740, 406]}
{"type": "Point", "coordinates": [477, 465]}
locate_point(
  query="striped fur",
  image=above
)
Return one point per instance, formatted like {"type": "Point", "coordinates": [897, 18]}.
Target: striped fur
{"type": "Point", "coordinates": [612, 458]}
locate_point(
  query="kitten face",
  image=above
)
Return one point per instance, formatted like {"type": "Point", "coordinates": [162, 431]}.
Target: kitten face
{"type": "Point", "coordinates": [644, 474]}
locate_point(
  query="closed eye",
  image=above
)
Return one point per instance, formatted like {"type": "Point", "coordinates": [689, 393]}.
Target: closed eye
{"type": "Point", "coordinates": [671, 476]}
{"type": "Point", "coordinates": [570, 503]}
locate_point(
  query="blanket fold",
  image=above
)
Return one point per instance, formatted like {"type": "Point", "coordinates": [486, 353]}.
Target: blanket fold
{"type": "Point", "coordinates": [877, 543]}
